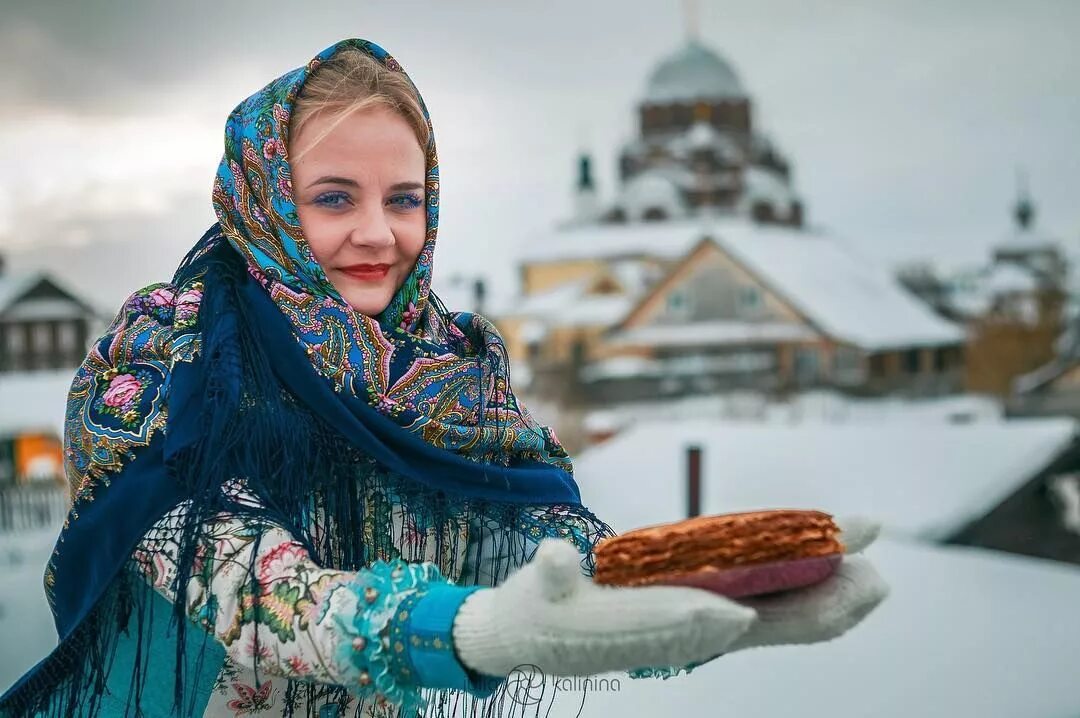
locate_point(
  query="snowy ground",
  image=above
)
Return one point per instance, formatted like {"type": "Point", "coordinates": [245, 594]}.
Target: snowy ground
{"type": "Point", "coordinates": [25, 621]}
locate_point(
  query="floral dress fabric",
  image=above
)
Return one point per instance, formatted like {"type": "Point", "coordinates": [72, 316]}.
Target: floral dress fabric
{"type": "Point", "coordinates": [310, 622]}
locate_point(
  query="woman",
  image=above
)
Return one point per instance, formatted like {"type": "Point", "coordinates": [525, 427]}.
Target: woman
{"type": "Point", "coordinates": [300, 484]}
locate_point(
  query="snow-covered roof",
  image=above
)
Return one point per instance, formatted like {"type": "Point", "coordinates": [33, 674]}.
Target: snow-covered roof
{"type": "Point", "coordinates": [964, 632]}
{"type": "Point", "coordinates": [635, 276]}
{"type": "Point", "coordinates": [12, 286]}
{"type": "Point", "coordinates": [570, 304]}
{"type": "Point", "coordinates": [650, 190]}
{"type": "Point", "coordinates": [763, 185]}
{"type": "Point", "coordinates": [828, 406]}
{"type": "Point", "coordinates": [665, 240]}
{"type": "Point", "coordinates": [713, 333]}
{"type": "Point", "coordinates": [849, 297]}
{"type": "Point", "coordinates": [704, 135]}
{"type": "Point", "coordinates": [1009, 278]}
{"type": "Point", "coordinates": [1027, 239]}
{"type": "Point", "coordinates": [34, 400]}
{"type": "Point", "coordinates": [692, 365]}
{"type": "Point", "coordinates": [924, 479]}
{"type": "Point", "coordinates": [694, 72]}
{"type": "Point", "coordinates": [458, 293]}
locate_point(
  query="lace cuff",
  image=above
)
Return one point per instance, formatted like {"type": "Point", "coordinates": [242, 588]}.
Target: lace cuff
{"type": "Point", "coordinates": [398, 640]}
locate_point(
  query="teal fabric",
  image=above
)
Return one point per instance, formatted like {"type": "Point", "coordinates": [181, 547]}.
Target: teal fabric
{"type": "Point", "coordinates": [157, 697]}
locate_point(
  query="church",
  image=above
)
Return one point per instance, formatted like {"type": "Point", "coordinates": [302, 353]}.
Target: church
{"type": "Point", "coordinates": [702, 275]}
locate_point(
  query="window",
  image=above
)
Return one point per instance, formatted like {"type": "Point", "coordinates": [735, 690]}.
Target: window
{"type": "Point", "coordinates": [42, 338]}
{"type": "Point", "coordinates": [806, 365]}
{"type": "Point", "coordinates": [15, 339]}
{"type": "Point", "coordinates": [847, 365]}
{"type": "Point", "coordinates": [941, 359]}
{"type": "Point", "coordinates": [749, 300]}
{"type": "Point", "coordinates": [762, 212]}
{"type": "Point", "coordinates": [911, 361]}
{"type": "Point", "coordinates": [66, 337]}
{"type": "Point", "coordinates": [877, 365]}
{"type": "Point", "coordinates": [678, 303]}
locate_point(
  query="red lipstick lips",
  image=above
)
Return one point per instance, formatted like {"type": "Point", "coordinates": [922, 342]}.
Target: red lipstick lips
{"type": "Point", "coordinates": [367, 272]}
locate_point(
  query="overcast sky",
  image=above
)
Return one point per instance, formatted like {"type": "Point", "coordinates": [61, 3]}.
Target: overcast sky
{"type": "Point", "coordinates": [905, 122]}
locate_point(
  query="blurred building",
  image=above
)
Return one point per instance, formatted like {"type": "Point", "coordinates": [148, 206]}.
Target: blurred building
{"type": "Point", "coordinates": [1014, 305]}
{"type": "Point", "coordinates": [702, 277]}
{"type": "Point", "coordinates": [45, 330]}
{"type": "Point", "coordinates": [698, 149]}
{"type": "Point", "coordinates": [43, 325]}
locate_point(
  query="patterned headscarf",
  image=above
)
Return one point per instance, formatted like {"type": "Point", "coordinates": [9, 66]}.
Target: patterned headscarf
{"type": "Point", "coordinates": [441, 375]}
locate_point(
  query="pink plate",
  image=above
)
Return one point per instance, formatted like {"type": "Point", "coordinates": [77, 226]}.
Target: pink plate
{"type": "Point", "coordinates": [761, 578]}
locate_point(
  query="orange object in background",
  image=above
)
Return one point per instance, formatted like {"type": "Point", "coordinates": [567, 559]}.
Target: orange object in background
{"type": "Point", "coordinates": [38, 457]}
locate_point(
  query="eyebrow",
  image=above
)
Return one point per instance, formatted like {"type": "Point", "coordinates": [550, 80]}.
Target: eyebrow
{"type": "Point", "coordinates": [330, 179]}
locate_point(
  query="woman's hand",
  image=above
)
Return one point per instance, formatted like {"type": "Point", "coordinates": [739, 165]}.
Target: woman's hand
{"type": "Point", "coordinates": [825, 610]}
{"type": "Point", "coordinates": [548, 614]}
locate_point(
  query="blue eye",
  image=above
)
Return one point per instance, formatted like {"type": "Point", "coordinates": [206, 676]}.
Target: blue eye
{"type": "Point", "coordinates": [329, 199]}
{"type": "Point", "coordinates": [409, 201]}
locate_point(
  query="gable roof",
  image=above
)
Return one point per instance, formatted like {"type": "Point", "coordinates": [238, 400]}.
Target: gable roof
{"type": "Point", "coordinates": [572, 304]}
{"type": "Point", "coordinates": [14, 286]}
{"type": "Point", "coordinates": [838, 292]}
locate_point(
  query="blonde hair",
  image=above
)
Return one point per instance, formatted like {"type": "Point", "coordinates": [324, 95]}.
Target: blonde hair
{"type": "Point", "coordinates": [352, 81]}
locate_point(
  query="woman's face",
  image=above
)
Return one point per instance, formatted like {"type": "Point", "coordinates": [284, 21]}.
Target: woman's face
{"type": "Point", "coordinates": [360, 196]}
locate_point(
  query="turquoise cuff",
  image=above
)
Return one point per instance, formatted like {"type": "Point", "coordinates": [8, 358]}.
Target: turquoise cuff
{"type": "Point", "coordinates": [422, 641]}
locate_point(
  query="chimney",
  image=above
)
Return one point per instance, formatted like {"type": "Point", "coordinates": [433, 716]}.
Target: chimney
{"type": "Point", "coordinates": [585, 200]}
{"type": "Point", "coordinates": [479, 293]}
{"type": "Point", "coordinates": [693, 481]}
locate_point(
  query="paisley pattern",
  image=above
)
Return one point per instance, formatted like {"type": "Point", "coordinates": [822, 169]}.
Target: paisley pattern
{"type": "Point", "coordinates": [117, 399]}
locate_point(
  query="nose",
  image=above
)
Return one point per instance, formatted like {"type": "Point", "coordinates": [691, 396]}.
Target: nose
{"type": "Point", "coordinates": [371, 229]}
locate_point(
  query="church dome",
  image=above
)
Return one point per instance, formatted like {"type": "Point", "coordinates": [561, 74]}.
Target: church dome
{"type": "Point", "coordinates": [694, 72]}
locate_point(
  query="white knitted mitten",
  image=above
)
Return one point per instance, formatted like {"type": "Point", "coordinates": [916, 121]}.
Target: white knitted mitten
{"type": "Point", "coordinates": [826, 610]}
{"type": "Point", "coordinates": [548, 614]}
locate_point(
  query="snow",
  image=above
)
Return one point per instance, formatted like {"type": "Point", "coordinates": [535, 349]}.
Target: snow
{"type": "Point", "coordinates": [926, 479]}
{"type": "Point", "coordinates": [12, 286]}
{"type": "Point", "coordinates": [650, 190]}
{"type": "Point", "coordinates": [635, 276]}
{"type": "Point", "coordinates": [705, 135]}
{"type": "Point", "coordinates": [695, 71]}
{"type": "Point", "coordinates": [964, 632]}
{"type": "Point", "coordinates": [713, 333]}
{"type": "Point", "coordinates": [812, 406]}
{"type": "Point", "coordinates": [846, 296]}
{"type": "Point", "coordinates": [666, 240]}
{"type": "Point", "coordinates": [35, 400]}
{"type": "Point", "coordinates": [1028, 239]}
{"type": "Point", "coordinates": [457, 293]}
{"type": "Point", "coordinates": [569, 304]}
{"type": "Point", "coordinates": [1008, 278]}
{"type": "Point", "coordinates": [1066, 489]}
{"type": "Point", "coordinates": [25, 620]}
{"type": "Point", "coordinates": [764, 185]}
{"type": "Point", "coordinates": [693, 366]}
